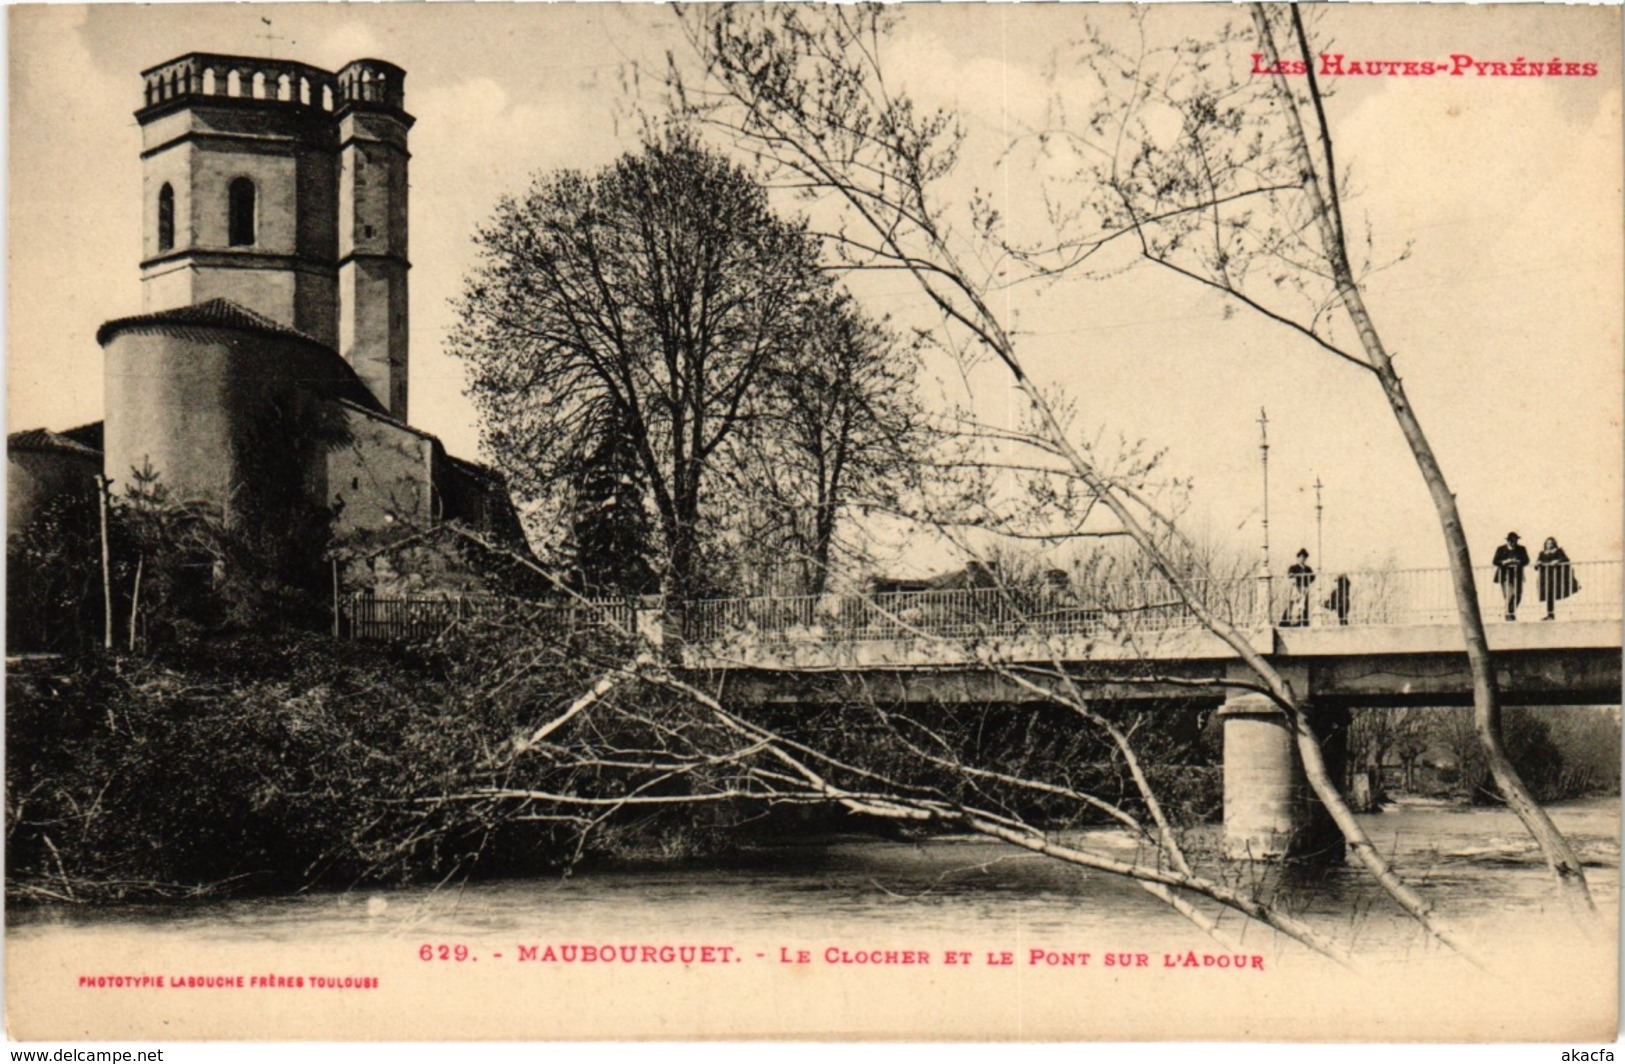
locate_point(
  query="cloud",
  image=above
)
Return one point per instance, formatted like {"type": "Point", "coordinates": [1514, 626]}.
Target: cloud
{"type": "Point", "coordinates": [352, 40]}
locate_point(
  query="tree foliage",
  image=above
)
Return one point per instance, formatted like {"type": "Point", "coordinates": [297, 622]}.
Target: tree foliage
{"type": "Point", "coordinates": [274, 762]}
{"type": "Point", "coordinates": [54, 580]}
{"type": "Point", "coordinates": [838, 428]}
{"type": "Point", "coordinates": [653, 298]}
{"type": "Point", "coordinates": [611, 547]}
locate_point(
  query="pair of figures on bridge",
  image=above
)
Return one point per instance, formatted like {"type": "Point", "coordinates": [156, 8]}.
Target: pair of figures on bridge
{"type": "Point", "coordinates": [1554, 575]}
{"type": "Point", "coordinates": [1301, 577]}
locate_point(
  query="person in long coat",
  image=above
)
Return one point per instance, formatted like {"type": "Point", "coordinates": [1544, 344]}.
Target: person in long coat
{"type": "Point", "coordinates": [1556, 576]}
{"type": "Point", "coordinates": [1510, 561]}
{"type": "Point", "coordinates": [1297, 605]}
{"type": "Point", "coordinates": [1339, 602]}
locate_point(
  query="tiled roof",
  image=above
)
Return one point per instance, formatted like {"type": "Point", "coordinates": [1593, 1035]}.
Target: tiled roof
{"type": "Point", "coordinates": [46, 440]}
{"type": "Point", "coordinates": [377, 414]}
{"type": "Point", "coordinates": [90, 434]}
{"type": "Point", "coordinates": [220, 313]}
{"type": "Point", "coordinates": [332, 377]}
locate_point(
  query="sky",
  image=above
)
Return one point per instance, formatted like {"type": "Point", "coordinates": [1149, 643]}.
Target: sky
{"type": "Point", "coordinates": [1506, 319]}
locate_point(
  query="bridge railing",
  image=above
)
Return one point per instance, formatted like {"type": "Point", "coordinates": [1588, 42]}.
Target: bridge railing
{"type": "Point", "coordinates": [1118, 610]}
{"type": "Point", "coordinates": [419, 619]}
{"type": "Point", "coordinates": [1358, 598]}
{"type": "Point", "coordinates": [965, 613]}
{"type": "Point", "coordinates": [1427, 596]}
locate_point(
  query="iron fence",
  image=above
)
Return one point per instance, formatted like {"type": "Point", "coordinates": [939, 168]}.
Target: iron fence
{"type": "Point", "coordinates": [1428, 596]}
{"type": "Point", "coordinates": [1120, 609]}
{"type": "Point", "coordinates": [419, 619]}
{"type": "Point", "coordinates": [965, 613]}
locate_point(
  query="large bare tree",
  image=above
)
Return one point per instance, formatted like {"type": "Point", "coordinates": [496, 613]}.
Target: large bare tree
{"type": "Point", "coordinates": [1230, 180]}
{"type": "Point", "coordinates": [838, 429]}
{"type": "Point", "coordinates": [657, 330]}
{"type": "Point", "coordinates": [660, 289]}
{"type": "Point", "coordinates": [805, 92]}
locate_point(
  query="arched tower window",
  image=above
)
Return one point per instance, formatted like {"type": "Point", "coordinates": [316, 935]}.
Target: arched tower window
{"type": "Point", "coordinates": [166, 218]}
{"type": "Point", "coordinates": [241, 218]}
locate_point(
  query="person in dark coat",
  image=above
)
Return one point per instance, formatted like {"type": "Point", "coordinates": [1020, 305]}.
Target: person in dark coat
{"type": "Point", "coordinates": [1556, 576]}
{"type": "Point", "coordinates": [1510, 561]}
{"type": "Point", "coordinates": [1339, 602]}
{"type": "Point", "coordinates": [1297, 605]}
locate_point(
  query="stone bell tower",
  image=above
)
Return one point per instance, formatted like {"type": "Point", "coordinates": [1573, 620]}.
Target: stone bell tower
{"type": "Point", "coordinates": [372, 263]}
{"type": "Point", "coordinates": [282, 188]}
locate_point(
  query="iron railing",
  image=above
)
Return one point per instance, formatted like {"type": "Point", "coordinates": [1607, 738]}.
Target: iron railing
{"type": "Point", "coordinates": [1125, 608]}
{"type": "Point", "coordinates": [1427, 596]}
{"type": "Point", "coordinates": [962, 613]}
{"type": "Point", "coordinates": [420, 619]}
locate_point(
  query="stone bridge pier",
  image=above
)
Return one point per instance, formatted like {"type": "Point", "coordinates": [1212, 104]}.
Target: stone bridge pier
{"type": "Point", "coordinates": [1270, 811]}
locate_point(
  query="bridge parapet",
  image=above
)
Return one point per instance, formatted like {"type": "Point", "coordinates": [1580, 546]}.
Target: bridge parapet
{"type": "Point", "coordinates": [987, 649]}
{"type": "Point", "coordinates": [1137, 617]}
{"type": "Point", "coordinates": [1393, 612]}
{"type": "Point", "coordinates": [1402, 597]}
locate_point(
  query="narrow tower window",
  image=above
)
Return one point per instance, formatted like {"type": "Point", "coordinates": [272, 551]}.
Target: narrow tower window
{"type": "Point", "coordinates": [166, 217]}
{"type": "Point", "coordinates": [242, 213]}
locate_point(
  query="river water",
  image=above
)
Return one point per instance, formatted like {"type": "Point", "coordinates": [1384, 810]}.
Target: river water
{"type": "Point", "coordinates": [851, 895]}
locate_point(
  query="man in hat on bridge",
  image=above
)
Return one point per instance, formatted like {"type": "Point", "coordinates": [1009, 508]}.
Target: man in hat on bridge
{"type": "Point", "coordinates": [1297, 606]}
{"type": "Point", "coordinates": [1510, 561]}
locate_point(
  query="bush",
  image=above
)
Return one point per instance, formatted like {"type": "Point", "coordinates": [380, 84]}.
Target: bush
{"type": "Point", "coordinates": [268, 764]}
{"type": "Point", "coordinates": [53, 580]}
{"type": "Point", "coordinates": [1529, 746]}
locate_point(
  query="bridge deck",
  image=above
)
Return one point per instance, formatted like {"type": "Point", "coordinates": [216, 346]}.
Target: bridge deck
{"type": "Point", "coordinates": [1382, 636]}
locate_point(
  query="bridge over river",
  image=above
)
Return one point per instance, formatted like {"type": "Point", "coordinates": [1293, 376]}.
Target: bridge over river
{"type": "Point", "coordinates": [1391, 639]}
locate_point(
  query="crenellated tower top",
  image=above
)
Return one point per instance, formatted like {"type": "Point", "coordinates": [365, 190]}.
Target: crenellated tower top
{"type": "Point", "coordinates": [239, 77]}
{"type": "Point", "coordinates": [364, 81]}
{"type": "Point", "coordinates": [373, 81]}
{"type": "Point", "coordinates": [282, 187]}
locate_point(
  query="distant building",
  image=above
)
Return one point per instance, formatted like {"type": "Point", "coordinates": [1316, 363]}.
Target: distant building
{"type": "Point", "coordinates": [272, 349]}
{"type": "Point", "coordinates": [974, 576]}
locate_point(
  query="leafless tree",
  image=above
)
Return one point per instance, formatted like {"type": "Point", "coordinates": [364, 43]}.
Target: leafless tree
{"type": "Point", "coordinates": [836, 429]}
{"type": "Point", "coordinates": [649, 733]}
{"type": "Point", "coordinates": [658, 334]}
{"type": "Point", "coordinates": [1376, 733]}
{"type": "Point", "coordinates": [1231, 181]}
{"type": "Point", "coordinates": [805, 92]}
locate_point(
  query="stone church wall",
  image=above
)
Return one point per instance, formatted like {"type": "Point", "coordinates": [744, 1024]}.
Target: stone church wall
{"type": "Point", "coordinates": [38, 479]}
{"type": "Point", "coordinates": [380, 473]}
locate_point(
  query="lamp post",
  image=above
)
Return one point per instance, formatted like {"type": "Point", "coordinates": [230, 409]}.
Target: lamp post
{"type": "Point", "coordinates": [1320, 538]}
